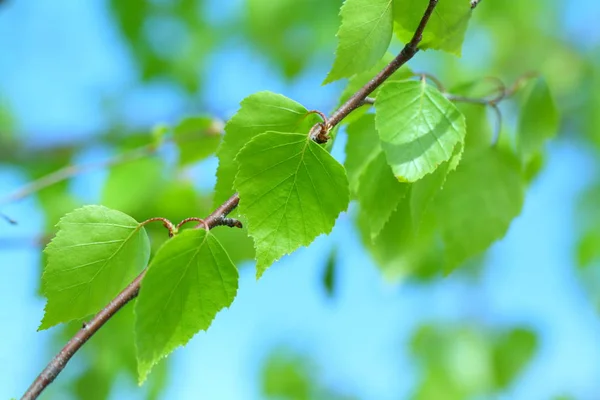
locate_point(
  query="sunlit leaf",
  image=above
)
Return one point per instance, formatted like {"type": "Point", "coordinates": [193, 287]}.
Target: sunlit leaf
{"type": "Point", "coordinates": [418, 127]}
{"type": "Point", "coordinates": [95, 254]}
{"type": "Point", "coordinates": [291, 191]}
{"type": "Point", "coordinates": [189, 281]}
{"type": "Point", "coordinates": [258, 113]}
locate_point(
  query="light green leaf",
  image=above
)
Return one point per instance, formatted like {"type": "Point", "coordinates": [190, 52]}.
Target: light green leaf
{"type": "Point", "coordinates": [418, 127]}
{"type": "Point", "coordinates": [478, 203]}
{"type": "Point", "coordinates": [95, 254]}
{"type": "Point", "coordinates": [196, 138]}
{"type": "Point", "coordinates": [361, 148]}
{"type": "Point", "coordinates": [189, 281]}
{"type": "Point", "coordinates": [258, 113]}
{"type": "Point", "coordinates": [379, 193]}
{"type": "Point", "coordinates": [363, 37]}
{"type": "Point", "coordinates": [291, 191]}
{"type": "Point", "coordinates": [445, 30]}
{"type": "Point", "coordinates": [538, 120]}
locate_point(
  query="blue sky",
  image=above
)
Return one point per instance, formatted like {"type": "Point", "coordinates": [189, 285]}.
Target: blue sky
{"type": "Point", "coordinates": [57, 55]}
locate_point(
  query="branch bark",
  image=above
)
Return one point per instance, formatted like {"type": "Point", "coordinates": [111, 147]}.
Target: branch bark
{"type": "Point", "coordinates": [216, 218]}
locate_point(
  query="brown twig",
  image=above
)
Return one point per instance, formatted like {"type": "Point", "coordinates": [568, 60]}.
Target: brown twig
{"type": "Point", "coordinates": [216, 218]}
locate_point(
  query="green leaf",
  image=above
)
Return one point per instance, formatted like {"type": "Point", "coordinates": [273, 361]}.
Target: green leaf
{"type": "Point", "coordinates": [95, 254]}
{"type": "Point", "coordinates": [538, 120]}
{"type": "Point", "coordinates": [418, 127]}
{"type": "Point", "coordinates": [379, 193]}
{"type": "Point", "coordinates": [446, 27]}
{"type": "Point", "coordinates": [478, 203]}
{"type": "Point", "coordinates": [363, 37]}
{"type": "Point", "coordinates": [196, 138]}
{"type": "Point", "coordinates": [258, 113]}
{"type": "Point", "coordinates": [132, 185]}
{"type": "Point", "coordinates": [361, 148]}
{"type": "Point", "coordinates": [291, 191]}
{"type": "Point", "coordinates": [189, 281]}
{"type": "Point", "coordinates": [511, 353]}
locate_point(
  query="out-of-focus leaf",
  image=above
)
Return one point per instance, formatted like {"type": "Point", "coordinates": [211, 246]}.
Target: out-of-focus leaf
{"type": "Point", "coordinates": [196, 138]}
{"type": "Point", "coordinates": [538, 121]}
{"type": "Point", "coordinates": [329, 275]}
{"type": "Point", "coordinates": [133, 184]}
{"type": "Point", "coordinates": [512, 351]}
{"type": "Point", "coordinates": [361, 148]}
{"type": "Point", "coordinates": [379, 193]}
{"type": "Point", "coordinates": [283, 29]}
{"type": "Point", "coordinates": [478, 203]}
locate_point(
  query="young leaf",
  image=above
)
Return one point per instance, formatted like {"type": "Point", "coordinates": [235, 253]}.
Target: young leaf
{"type": "Point", "coordinates": [95, 254]}
{"type": "Point", "coordinates": [418, 127]}
{"type": "Point", "coordinates": [445, 30]}
{"type": "Point", "coordinates": [189, 281]}
{"type": "Point", "coordinates": [258, 113]}
{"type": "Point", "coordinates": [478, 203]}
{"type": "Point", "coordinates": [196, 138]}
{"type": "Point", "coordinates": [291, 191]}
{"type": "Point", "coordinates": [361, 148]}
{"type": "Point", "coordinates": [363, 37]}
{"type": "Point", "coordinates": [538, 121]}
{"type": "Point", "coordinates": [379, 193]}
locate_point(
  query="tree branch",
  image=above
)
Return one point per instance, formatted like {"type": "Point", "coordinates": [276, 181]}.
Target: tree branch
{"type": "Point", "coordinates": [216, 218]}
{"type": "Point", "coordinates": [59, 362]}
{"type": "Point", "coordinates": [405, 55]}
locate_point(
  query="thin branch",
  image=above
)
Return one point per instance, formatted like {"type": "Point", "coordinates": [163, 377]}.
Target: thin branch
{"type": "Point", "coordinates": [59, 362]}
{"type": "Point", "coordinates": [216, 218]}
{"type": "Point", "coordinates": [73, 170]}
{"type": "Point", "coordinates": [405, 55]}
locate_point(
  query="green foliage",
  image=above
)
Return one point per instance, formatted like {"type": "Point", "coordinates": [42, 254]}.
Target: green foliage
{"type": "Point", "coordinates": [468, 362]}
{"type": "Point", "coordinates": [538, 121]}
{"type": "Point", "coordinates": [289, 376]}
{"type": "Point", "coordinates": [281, 29]}
{"type": "Point", "coordinates": [196, 138]}
{"type": "Point", "coordinates": [258, 113]}
{"type": "Point", "coordinates": [95, 254]}
{"type": "Point", "coordinates": [379, 193]}
{"type": "Point", "coordinates": [361, 149]}
{"type": "Point", "coordinates": [189, 281]}
{"type": "Point", "coordinates": [478, 203]}
{"type": "Point", "coordinates": [421, 134]}
{"type": "Point", "coordinates": [132, 183]}
{"type": "Point", "coordinates": [363, 37]}
{"type": "Point", "coordinates": [291, 191]}
{"type": "Point", "coordinates": [445, 30]}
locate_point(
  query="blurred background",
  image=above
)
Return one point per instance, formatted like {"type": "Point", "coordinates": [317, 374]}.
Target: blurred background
{"type": "Point", "coordinates": [86, 82]}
